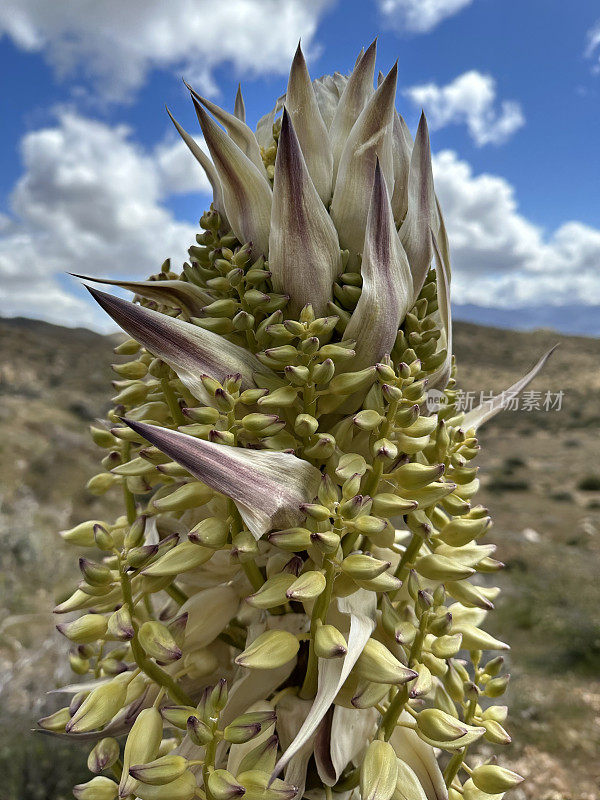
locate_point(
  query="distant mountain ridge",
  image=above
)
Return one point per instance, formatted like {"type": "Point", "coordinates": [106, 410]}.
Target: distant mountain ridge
{"type": "Point", "coordinates": [574, 320]}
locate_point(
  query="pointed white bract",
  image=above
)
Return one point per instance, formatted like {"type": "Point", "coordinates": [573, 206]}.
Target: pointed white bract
{"type": "Point", "coordinates": [189, 350]}
{"type": "Point", "coordinates": [304, 252]}
{"type": "Point", "coordinates": [240, 107]}
{"type": "Point", "coordinates": [187, 297]}
{"type": "Point", "coordinates": [239, 132]}
{"type": "Point", "coordinates": [301, 104]}
{"type": "Point", "coordinates": [489, 409]}
{"type": "Point", "coordinates": [440, 377]}
{"type": "Point", "coordinates": [420, 757]}
{"type": "Point", "coordinates": [246, 191]}
{"type": "Point", "coordinates": [361, 607]}
{"type": "Point", "coordinates": [353, 99]}
{"type": "Point", "coordinates": [387, 283]}
{"type": "Point", "coordinates": [415, 231]}
{"type": "Point", "coordinates": [268, 487]}
{"type": "Point", "coordinates": [370, 139]}
{"type": "Point", "coordinates": [206, 164]}
{"type": "Point", "coordinates": [402, 145]}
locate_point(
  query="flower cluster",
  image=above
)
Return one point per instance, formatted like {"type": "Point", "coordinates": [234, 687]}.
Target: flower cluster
{"type": "Point", "coordinates": [291, 604]}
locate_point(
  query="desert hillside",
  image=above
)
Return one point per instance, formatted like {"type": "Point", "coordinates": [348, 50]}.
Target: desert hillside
{"type": "Point", "coordinates": [541, 481]}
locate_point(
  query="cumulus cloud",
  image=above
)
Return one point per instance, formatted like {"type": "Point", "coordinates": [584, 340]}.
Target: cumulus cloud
{"type": "Point", "coordinates": [117, 43]}
{"type": "Point", "coordinates": [90, 200]}
{"type": "Point", "coordinates": [592, 50]}
{"type": "Point", "coordinates": [419, 16]}
{"type": "Point", "coordinates": [502, 259]}
{"type": "Point", "coordinates": [469, 99]}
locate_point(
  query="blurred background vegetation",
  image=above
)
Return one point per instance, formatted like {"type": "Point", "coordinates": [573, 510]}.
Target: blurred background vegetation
{"type": "Point", "coordinates": [541, 481]}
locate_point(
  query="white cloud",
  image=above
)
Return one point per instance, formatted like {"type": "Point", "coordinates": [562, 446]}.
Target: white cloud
{"type": "Point", "coordinates": [116, 43]}
{"type": "Point", "coordinates": [592, 49]}
{"type": "Point", "coordinates": [499, 257]}
{"type": "Point", "coordinates": [469, 99]}
{"type": "Point", "coordinates": [419, 16]}
{"type": "Point", "coordinates": [92, 201]}
{"type": "Point", "coordinates": [89, 201]}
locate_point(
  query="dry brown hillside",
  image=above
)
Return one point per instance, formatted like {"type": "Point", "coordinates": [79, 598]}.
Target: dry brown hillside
{"type": "Point", "coordinates": [541, 481]}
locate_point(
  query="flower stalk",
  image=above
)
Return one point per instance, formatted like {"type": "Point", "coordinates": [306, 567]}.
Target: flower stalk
{"type": "Point", "coordinates": [301, 559]}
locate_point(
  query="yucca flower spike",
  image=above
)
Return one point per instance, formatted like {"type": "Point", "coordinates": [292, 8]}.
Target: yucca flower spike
{"type": "Point", "coordinates": [292, 602]}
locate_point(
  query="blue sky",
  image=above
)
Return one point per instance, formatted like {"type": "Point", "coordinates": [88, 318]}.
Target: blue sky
{"type": "Point", "coordinates": [93, 179]}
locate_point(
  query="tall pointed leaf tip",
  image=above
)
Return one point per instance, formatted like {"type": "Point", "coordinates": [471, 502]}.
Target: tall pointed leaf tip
{"type": "Point", "coordinates": [206, 164]}
{"type": "Point", "coordinates": [302, 106]}
{"type": "Point", "coordinates": [370, 138]}
{"type": "Point", "coordinates": [387, 283]}
{"type": "Point", "coordinates": [174, 293]}
{"type": "Point", "coordinates": [487, 410]}
{"type": "Point", "coordinates": [304, 252]}
{"type": "Point", "coordinates": [246, 191]}
{"type": "Point", "coordinates": [189, 350]}
{"type": "Point", "coordinates": [268, 487]}
{"type": "Point", "coordinates": [420, 216]}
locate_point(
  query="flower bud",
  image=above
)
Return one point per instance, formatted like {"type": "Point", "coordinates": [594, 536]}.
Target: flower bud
{"type": "Point", "coordinates": [363, 567]}
{"type": "Point", "coordinates": [198, 731]}
{"type": "Point", "coordinates": [88, 628]}
{"type": "Point", "coordinates": [377, 664]}
{"type": "Point", "coordinates": [292, 540]}
{"type": "Point", "coordinates": [248, 726]}
{"type": "Point", "coordinates": [329, 642]}
{"type": "Point", "coordinates": [272, 593]}
{"type": "Point", "coordinates": [190, 495]}
{"type": "Point", "coordinates": [158, 642]}
{"type": "Point", "coordinates": [222, 785]}
{"type": "Point", "coordinates": [350, 382]}
{"type": "Point", "coordinates": [141, 746]}
{"type": "Point", "coordinates": [135, 535]}
{"type": "Point", "coordinates": [439, 726]}
{"type": "Point", "coordinates": [378, 772]}
{"type": "Point", "coordinates": [211, 532]}
{"type": "Point", "coordinates": [95, 574]}
{"type": "Point", "coordinates": [56, 722]}
{"type": "Point", "coordinates": [307, 586]}
{"type": "Point", "coordinates": [103, 755]}
{"type": "Point", "coordinates": [462, 530]}
{"type": "Point", "coordinates": [100, 706]}
{"type": "Point", "coordinates": [183, 788]}
{"type": "Point", "coordinates": [442, 568]}
{"type": "Point", "coordinates": [390, 505]}
{"type": "Point", "coordinates": [495, 733]}
{"type": "Point", "coordinates": [181, 558]}
{"type": "Point", "coordinates": [326, 541]}
{"type": "Point", "coordinates": [446, 646]}
{"type": "Point", "coordinates": [99, 788]}
{"type": "Point", "coordinates": [82, 535]}
{"type": "Point", "coordinates": [492, 779]}
{"type": "Point", "coordinates": [476, 639]}
{"type": "Point", "coordinates": [157, 773]}
{"type": "Point", "coordinates": [497, 686]}
{"type": "Point", "coordinates": [423, 684]}
{"type": "Point", "coordinates": [270, 650]}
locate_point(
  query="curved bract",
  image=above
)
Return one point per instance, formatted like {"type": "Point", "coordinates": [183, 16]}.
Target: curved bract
{"type": "Point", "coordinates": [295, 592]}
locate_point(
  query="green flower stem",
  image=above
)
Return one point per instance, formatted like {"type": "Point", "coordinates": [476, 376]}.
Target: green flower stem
{"type": "Point", "coordinates": [209, 763]}
{"type": "Point", "coordinates": [176, 594]}
{"type": "Point", "coordinates": [456, 762]}
{"type": "Point", "coordinates": [171, 399]}
{"type": "Point", "coordinates": [151, 669]}
{"type": "Point", "coordinates": [250, 566]}
{"type": "Point", "coordinates": [385, 429]}
{"type": "Point", "coordinates": [309, 687]}
{"type": "Point", "coordinates": [391, 716]}
{"type": "Point", "coordinates": [127, 495]}
{"type": "Point", "coordinates": [408, 556]}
